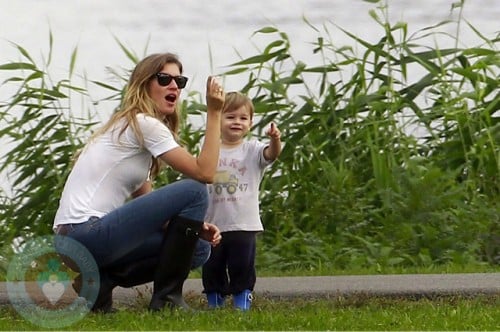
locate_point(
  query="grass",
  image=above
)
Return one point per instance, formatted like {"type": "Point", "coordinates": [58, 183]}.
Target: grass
{"type": "Point", "coordinates": [270, 314]}
{"type": "Point", "coordinates": [331, 271]}
{"type": "Point", "coordinates": [450, 313]}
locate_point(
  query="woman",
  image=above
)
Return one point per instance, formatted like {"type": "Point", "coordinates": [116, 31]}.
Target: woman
{"type": "Point", "coordinates": [153, 236]}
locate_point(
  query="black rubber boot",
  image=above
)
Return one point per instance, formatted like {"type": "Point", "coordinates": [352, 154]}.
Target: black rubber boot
{"type": "Point", "coordinates": [136, 273]}
{"type": "Point", "coordinates": [104, 300]}
{"type": "Point", "coordinates": [130, 275]}
{"type": "Point", "coordinates": [133, 274]}
{"type": "Point", "coordinates": [175, 263]}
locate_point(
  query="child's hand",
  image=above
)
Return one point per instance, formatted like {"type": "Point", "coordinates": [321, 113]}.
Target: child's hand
{"type": "Point", "coordinates": [273, 131]}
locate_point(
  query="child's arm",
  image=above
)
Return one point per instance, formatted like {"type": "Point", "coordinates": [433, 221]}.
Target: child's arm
{"type": "Point", "coordinates": [273, 151]}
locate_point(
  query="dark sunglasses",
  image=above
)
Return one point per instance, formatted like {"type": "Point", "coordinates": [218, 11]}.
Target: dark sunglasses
{"type": "Point", "coordinates": [165, 79]}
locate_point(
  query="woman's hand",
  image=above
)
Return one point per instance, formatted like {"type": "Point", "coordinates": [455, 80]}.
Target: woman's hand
{"type": "Point", "coordinates": [146, 188]}
{"type": "Point", "coordinates": [215, 94]}
{"type": "Point", "coordinates": [210, 233]}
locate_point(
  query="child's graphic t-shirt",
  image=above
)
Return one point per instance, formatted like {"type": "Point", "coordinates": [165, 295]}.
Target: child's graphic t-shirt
{"type": "Point", "coordinates": [234, 195]}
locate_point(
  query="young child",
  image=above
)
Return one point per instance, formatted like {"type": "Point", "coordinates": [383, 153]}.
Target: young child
{"type": "Point", "coordinates": [234, 204]}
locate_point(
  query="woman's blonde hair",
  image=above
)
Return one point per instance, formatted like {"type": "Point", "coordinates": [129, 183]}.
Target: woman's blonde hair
{"type": "Point", "coordinates": [137, 100]}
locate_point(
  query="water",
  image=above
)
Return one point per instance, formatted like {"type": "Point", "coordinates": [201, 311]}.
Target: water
{"type": "Point", "coordinates": [190, 28]}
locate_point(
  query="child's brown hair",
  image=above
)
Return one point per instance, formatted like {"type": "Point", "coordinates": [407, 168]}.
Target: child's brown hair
{"type": "Point", "coordinates": [235, 100]}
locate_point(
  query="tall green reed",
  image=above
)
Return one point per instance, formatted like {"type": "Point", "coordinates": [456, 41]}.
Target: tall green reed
{"type": "Point", "coordinates": [40, 132]}
{"type": "Point", "coordinates": [354, 186]}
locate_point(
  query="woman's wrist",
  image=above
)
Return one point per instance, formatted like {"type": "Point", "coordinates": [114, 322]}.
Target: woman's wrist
{"type": "Point", "coordinates": [214, 110]}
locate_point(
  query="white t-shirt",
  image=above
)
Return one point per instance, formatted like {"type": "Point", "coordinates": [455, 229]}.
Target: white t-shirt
{"type": "Point", "coordinates": [110, 169]}
{"type": "Point", "coordinates": [234, 195]}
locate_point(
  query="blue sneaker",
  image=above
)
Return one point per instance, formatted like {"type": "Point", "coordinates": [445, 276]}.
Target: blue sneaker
{"type": "Point", "coordinates": [243, 300]}
{"type": "Point", "coordinates": [215, 300]}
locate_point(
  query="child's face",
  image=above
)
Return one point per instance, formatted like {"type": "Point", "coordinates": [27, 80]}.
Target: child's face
{"type": "Point", "coordinates": [235, 125]}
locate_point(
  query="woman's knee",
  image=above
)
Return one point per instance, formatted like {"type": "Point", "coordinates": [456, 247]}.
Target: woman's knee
{"type": "Point", "coordinates": [199, 188]}
{"type": "Point", "coordinates": [198, 199]}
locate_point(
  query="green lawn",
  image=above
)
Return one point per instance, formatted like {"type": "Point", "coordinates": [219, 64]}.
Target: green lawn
{"type": "Point", "coordinates": [446, 313]}
{"type": "Point", "coordinates": [450, 313]}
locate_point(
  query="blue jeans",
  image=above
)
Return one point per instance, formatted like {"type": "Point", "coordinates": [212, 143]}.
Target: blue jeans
{"type": "Point", "coordinates": [134, 231]}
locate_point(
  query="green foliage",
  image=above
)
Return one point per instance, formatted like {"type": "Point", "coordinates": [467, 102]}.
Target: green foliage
{"type": "Point", "coordinates": [354, 186]}
{"type": "Point", "coordinates": [343, 314]}
{"type": "Point", "coordinates": [41, 134]}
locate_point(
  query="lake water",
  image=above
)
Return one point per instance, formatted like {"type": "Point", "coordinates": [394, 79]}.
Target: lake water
{"type": "Point", "coordinates": [190, 28]}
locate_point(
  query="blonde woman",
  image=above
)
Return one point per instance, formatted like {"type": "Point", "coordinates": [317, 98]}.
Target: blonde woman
{"type": "Point", "coordinates": [154, 236]}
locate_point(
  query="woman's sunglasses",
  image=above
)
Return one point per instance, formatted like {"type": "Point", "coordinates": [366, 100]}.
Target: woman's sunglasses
{"type": "Point", "coordinates": [165, 79]}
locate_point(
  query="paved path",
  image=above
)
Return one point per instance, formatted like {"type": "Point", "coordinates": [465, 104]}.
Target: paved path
{"type": "Point", "coordinates": [409, 285]}
{"type": "Point", "coordinates": [403, 285]}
